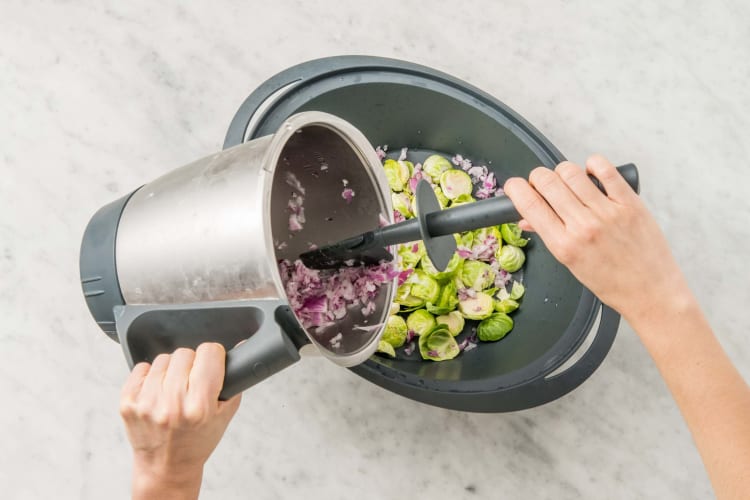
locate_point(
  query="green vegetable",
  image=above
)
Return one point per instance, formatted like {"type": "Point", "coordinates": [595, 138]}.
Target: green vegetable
{"type": "Point", "coordinates": [442, 199]}
{"type": "Point", "coordinates": [455, 183]}
{"type": "Point", "coordinates": [495, 327]}
{"type": "Point", "coordinates": [424, 286]}
{"type": "Point", "coordinates": [394, 308]}
{"type": "Point", "coordinates": [397, 173]}
{"type": "Point", "coordinates": [506, 305]}
{"type": "Point", "coordinates": [463, 200]}
{"type": "Point", "coordinates": [447, 300]}
{"type": "Point", "coordinates": [512, 235]}
{"type": "Point", "coordinates": [517, 291]}
{"type": "Point", "coordinates": [450, 270]}
{"type": "Point", "coordinates": [386, 348]}
{"type": "Point", "coordinates": [410, 258]}
{"type": "Point", "coordinates": [479, 307]}
{"type": "Point", "coordinates": [453, 320]}
{"type": "Point", "coordinates": [395, 331]}
{"type": "Point", "coordinates": [435, 165]}
{"type": "Point", "coordinates": [402, 203]}
{"type": "Point", "coordinates": [438, 344]}
{"type": "Point", "coordinates": [405, 298]}
{"type": "Point", "coordinates": [420, 321]}
{"type": "Point", "coordinates": [481, 235]}
{"type": "Point", "coordinates": [477, 275]}
{"type": "Point", "coordinates": [511, 258]}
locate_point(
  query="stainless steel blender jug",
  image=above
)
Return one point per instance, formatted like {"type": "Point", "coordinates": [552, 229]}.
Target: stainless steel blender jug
{"type": "Point", "coordinates": [193, 255]}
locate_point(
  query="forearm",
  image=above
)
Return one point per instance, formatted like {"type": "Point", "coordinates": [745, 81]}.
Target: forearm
{"type": "Point", "coordinates": [148, 484]}
{"type": "Point", "coordinates": [711, 394]}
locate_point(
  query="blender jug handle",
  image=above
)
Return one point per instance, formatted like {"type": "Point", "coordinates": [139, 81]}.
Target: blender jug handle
{"type": "Point", "coordinates": [145, 331]}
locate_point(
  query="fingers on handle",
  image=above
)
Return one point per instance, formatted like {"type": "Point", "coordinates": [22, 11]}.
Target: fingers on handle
{"type": "Point", "coordinates": [132, 388]}
{"type": "Point", "coordinates": [616, 186]}
{"type": "Point", "coordinates": [207, 374]}
{"type": "Point", "coordinates": [533, 208]}
{"type": "Point", "coordinates": [176, 379]}
{"type": "Point", "coordinates": [578, 182]}
{"type": "Point", "coordinates": [557, 194]}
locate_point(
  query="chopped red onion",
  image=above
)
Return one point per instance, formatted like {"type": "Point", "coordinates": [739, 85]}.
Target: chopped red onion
{"type": "Point", "coordinates": [382, 221]}
{"type": "Point", "coordinates": [402, 156]}
{"type": "Point", "coordinates": [369, 308]}
{"type": "Point", "coordinates": [433, 353]}
{"type": "Point", "coordinates": [381, 152]}
{"type": "Point", "coordinates": [292, 180]}
{"type": "Point", "coordinates": [409, 348]}
{"type": "Point", "coordinates": [410, 334]}
{"type": "Point", "coordinates": [294, 223]}
{"type": "Point", "coordinates": [398, 216]}
{"type": "Point", "coordinates": [345, 182]}
{"type": "Point", "coordinates": [318, 298]}
{"type": "Point", "coordinates": [466, 293]}
{"type": "Point", "coordinates": [348, 194]}
{"type": "Point", "coordinates": [404, 275]}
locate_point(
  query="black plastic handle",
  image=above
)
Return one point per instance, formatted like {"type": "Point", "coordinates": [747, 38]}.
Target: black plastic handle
{"type": "Point", "coordinates": [500, 210]}
{"type": "Point", "coordinates": [145, 331]}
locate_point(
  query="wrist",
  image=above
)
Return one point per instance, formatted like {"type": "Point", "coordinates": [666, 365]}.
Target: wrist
{"type": "Point", "coordinates": [178, 483]}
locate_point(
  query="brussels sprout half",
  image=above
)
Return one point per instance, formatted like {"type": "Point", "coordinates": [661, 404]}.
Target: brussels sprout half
{"type": "Point", "coordinates": [479, 307]}
{"type": "Point", "coordinates": [453, 320]}
{"type": "Point", "coordinates": [409, 257]}
{"type": "Point", "coordinates": [447, 300]}
{"type": "Point", "coordinates": [435, 165]}
{"type": "Point", "coordinates": [438, 344]}
{"type": "Point", "coordinates": [397, 173]}
{"type": "Point", "coordinates": [420, 321]}
{"type": "Point", "coordinates": [517, 291]}
{"type": "Point", "coordinates": [512, 235]}
{"type": "Point", "coordinates": [511, 258]}
{"type": "Point", "coordinates": [424, 286]}
{"type": "Point", "coordinates": [477, 275]}
{"type": "Point", "coordinates": [455, 183]}
{"type": "Point", "coordinates": [386, 348]}
{"type": "Point", "coordinates": [495, 327]}
{"type": "Point", "coordinates": [395, 331]}
{"type": "Point", "coordinates": [450, 270]}
{"type": "Point", "coordinates": [506, 305]}
{"type": "Point", "coordinates": [402, 203]}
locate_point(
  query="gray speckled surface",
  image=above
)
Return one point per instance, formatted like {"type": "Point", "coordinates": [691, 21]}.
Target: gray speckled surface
{"type": "Point", "coordinates": [99, 97]}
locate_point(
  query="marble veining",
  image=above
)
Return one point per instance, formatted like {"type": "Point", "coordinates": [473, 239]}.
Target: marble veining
{"type": "Point", "coordinates": [97, 98]}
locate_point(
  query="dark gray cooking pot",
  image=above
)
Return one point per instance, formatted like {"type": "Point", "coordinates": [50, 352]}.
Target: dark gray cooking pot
{"type": "Point", "coordinates": [562, 332]}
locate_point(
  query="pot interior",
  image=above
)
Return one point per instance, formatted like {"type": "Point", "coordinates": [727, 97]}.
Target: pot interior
{"type": "Point", "coordinates": [427, 118]}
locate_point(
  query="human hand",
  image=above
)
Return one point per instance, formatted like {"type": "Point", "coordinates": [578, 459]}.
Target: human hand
{"type": "Point", "coordinates": [174, 419]}
{"type": "Point", "coordinates": [610, 242]}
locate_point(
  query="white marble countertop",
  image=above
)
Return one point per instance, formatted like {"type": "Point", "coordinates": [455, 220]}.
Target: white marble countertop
{"type": "Point", "coordinates": [99, 97]}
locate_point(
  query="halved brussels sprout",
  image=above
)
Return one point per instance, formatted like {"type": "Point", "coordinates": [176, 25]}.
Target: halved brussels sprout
{"type": "Point", "coordinates": [402, 203]}
{"type": "Point", "coordinates": [463, 200]}
{"type": "Point", "coordinates": [438, 344]}
{"type": "Point", "coordinates": [511, 258]}
{"type": "Point", "coordinates": [405, 298]}
{"type": "Point", "coordinates": [435, 165]}
{"type": "Point", "coordinates": [395, 331]}
{"type": "Point", "coordinates": [442, 199]}
{"type": "Point", "coordinates": [479, 307]}
{"type": "Point", "coordinates": [420, 321]}
{"type": "Point", "coordinates": [495, 327]}
{"type": "Point", "coordinates": [386, 348]}
{"type": "Point", "coordinates": [397, 173]}
{"type": "Point", "coordinates": [453, 320]}
{"type": "Point", "coordinates": [410, 258]}
{"type": "Point", "coordinates": [517, 291]}
{"type": "Point", "coordinates": [477, 275]}
{"type": "Point", "coordinates": [512, 235]}
{"type": "Point", "coordinates": [506, 305]}
{"type": "Point", "coordinates": [481, 236]}
{"type": "Point", "coordinates": [450, 270]}
{"type": "Point", "coordinates": [455, 183]}
{"type": "Point", "coordinates": [447, 300]}
{"type": "Point", "coordinates": [424, 286]}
